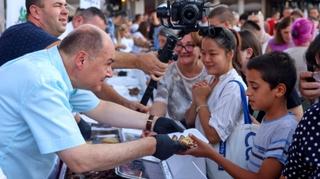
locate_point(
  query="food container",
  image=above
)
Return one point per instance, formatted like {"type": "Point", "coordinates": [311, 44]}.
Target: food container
{"type": "Point", "coordinates": [100, 134]}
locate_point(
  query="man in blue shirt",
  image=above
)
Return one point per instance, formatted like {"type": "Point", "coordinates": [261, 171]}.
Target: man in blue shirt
{"type": "Point", "coordinates": [46, 21]}
{"type": "Point", "coordinates": [36, 107]}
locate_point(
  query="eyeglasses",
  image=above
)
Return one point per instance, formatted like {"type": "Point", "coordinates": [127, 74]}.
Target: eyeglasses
{"type": "Point", "coordinates": [187, 47]}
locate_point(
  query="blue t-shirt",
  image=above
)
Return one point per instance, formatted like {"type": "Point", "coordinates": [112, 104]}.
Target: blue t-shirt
{"type": "Point", "coordinates": [272, 141]}
{"type": "Point", "coordinates": [36, 105]}
{"type": "Point", "coordinates": [21, 39]}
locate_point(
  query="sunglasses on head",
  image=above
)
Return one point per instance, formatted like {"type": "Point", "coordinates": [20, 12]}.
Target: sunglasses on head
{"type": "Point", "coordinates": [216, 32]}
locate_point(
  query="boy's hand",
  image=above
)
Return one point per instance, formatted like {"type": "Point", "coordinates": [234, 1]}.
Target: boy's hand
{"type": "Point", "coordinates": [201, 149]}
{"type": "Point", "coordinates": [308, 88]}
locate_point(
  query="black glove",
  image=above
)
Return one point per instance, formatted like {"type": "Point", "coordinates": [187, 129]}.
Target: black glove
{"type": "Point", "coordinates": [166, 147]}
{"type": "Point", "coordinates": [165, 125]}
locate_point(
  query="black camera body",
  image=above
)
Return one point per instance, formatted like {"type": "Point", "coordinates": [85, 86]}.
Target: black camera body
{"type": "Point", "coordinates": [182, 14]}
{"type": "Point", "coordinates": [187, 12]}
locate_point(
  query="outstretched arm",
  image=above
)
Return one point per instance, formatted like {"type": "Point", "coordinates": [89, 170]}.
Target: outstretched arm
{"type": "Point", "coordinates": [147, 62]}
{"type": "Point", "coordinates": [107, 93]}
{"type": "Point", "coordinates": [270, 168]}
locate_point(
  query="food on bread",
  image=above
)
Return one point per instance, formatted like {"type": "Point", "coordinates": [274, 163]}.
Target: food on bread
{"type": "Point", "coordinates": [185, 140]}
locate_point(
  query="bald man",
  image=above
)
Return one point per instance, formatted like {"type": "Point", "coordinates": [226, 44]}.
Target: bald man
{"type": "Point", "coordinates": [36, 107]}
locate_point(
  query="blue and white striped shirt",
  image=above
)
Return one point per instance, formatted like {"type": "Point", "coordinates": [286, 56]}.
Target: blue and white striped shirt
{"type": "Point", "coordinates": [272, 141]}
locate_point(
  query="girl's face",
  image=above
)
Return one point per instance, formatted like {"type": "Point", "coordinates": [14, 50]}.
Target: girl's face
{"type": "Point", "coordinates": [286, 34]}
{"type": "Point", "coordinates": [187, 51]}
{"type": "Point", "coordinates": [217, 60]}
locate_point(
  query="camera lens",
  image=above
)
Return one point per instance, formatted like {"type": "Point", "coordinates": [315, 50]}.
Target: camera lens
{"type": "Point", "coordinates": [189, 14]}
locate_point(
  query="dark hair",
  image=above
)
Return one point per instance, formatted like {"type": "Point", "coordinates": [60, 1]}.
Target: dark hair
{"type": "Point", "coordinates": [251, 25]}
{"type": "Point", "coordinates": [227, 39]}
{"type": "Point", "coordinates": [87, 38]}
{"type": "Point", "coordinates": [137, 17]}
{"type": "Point", "coordinates": [32, 2]}
{"type": "Point", "coordinates": [144, 28]}
{"type": "Point", "coordinates": [284, 23]}
{"type": "Point", "coordinates": [92, 12]}
{"type": "Point", "coordinates": [223, 13]}
{"type": "Point", "coordinates": [249, 40]}
{"type": "Point", "coordinates": [275, 68]}
{"type": "Point", "coordinates": [224, 37]}
{"type": "Point", "coordinates": [312, 52]}
{"type": "Point", "coordinates": [244, 16]}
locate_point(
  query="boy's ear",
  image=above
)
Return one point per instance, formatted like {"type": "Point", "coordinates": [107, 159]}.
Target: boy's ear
{"type": "Point", "coordinates": [281, 90]}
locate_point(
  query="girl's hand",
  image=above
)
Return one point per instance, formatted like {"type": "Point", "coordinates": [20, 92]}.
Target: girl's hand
{"type": "Point", "coordinates": [202, 90]}
{"type": "Point", "coordinates": [200, 149]}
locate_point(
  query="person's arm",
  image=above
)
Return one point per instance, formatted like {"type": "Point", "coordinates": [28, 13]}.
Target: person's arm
{"type": "Point", "coordinates": [297, 111]}
{"type": "Point", "coordinates": [200, 94]}
{"type": "Point", "coordinates": [309, 89]}
{"type": "Point", "coordinates": [204, 116]}
{"type": "Point", "coordinates": [99, 157]}
{"type": "Point", "coordinates": [118, 116]}
{"type": "Point", "coordinates": [191, 115]}
{"type": "Point", "coordinates": [158, 108]}
{"type": "Point", "coordinates": [107, 93]}
{"type": "Point", "coordinates": [147, 62]}
{"type": "Point", "coordinates": [122, 117]}
{"type": "Point", "coordinates": [270, 168]}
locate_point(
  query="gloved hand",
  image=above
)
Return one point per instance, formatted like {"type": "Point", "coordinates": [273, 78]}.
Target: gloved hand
{"type": "Point", "coordinates": [166, 147]}
{"type": "Point", "coordinates": [165, 125]}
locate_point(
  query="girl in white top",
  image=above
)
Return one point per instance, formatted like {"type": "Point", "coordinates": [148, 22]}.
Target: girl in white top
{"type": "Point", "coordinates": [216, 104]}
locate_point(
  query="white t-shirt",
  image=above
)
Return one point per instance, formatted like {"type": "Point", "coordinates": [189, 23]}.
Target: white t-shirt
{"type": "Point", "coordinates": [298, 55]}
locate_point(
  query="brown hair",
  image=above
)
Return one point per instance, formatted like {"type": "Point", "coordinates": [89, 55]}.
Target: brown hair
{"type": "Point", "coordinates": [284, 23]}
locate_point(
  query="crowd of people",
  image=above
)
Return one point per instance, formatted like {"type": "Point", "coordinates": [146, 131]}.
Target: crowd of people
{"type": "Point", "coordinates": [53, 70]}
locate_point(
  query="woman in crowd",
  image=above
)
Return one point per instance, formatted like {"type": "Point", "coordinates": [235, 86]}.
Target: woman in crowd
{"type": "Point", "coordinates": [174, 89]}
{"type": "Point", "coordinates": [282, 39]}
{"type": "Point", "coordinates": [216, 103]}
{"type": "Point", "coordinates": [250, 48]}
{"type": "Point", "coordinates": [304, 152]}
{"type": "Point", "coordinates": [141, 43]}
{"type": "Point", "coordinates": [302, 34]}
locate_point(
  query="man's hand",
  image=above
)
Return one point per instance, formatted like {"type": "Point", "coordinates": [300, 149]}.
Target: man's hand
{"type": "Point", "coordinates": [137, 106]}
{"type": "Point", "coordinates": [166, 147]}
{"type": "Point", "coordinates": [165, 125]}
{"type": "Point", "coordinates": [151, 65]}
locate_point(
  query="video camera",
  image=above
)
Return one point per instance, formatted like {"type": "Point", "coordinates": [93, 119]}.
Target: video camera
{"type": "Point", "coordinates": [182, 14]}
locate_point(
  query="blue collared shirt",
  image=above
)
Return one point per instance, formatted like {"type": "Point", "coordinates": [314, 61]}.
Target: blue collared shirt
{"type": "Point", "coordinates": [36, 105]}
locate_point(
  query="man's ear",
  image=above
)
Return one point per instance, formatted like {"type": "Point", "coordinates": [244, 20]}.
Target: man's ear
{"type": "Point", "coordinates": [34, 11]}
{"type": "Point", "coordinates": [77, 21]}
{"type": "Point", "coordinates": [80, 58]}
{"type": "Point", "coordinates": [281, 90]}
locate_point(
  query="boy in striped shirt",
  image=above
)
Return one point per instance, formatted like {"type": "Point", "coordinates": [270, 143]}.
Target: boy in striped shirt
{"type": "Point", "coordinates": [270, 77]}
